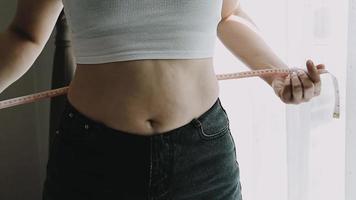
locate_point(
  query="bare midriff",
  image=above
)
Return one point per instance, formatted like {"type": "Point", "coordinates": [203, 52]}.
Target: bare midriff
{"type": "Point", "coordinates": [144, 97]}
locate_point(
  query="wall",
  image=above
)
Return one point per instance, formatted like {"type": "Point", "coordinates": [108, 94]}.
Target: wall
{"type": "Point", "coordinates": [24, 128]}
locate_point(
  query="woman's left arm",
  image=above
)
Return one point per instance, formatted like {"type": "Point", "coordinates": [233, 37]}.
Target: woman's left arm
{"type": "Point", "coordinates": [241, 37]}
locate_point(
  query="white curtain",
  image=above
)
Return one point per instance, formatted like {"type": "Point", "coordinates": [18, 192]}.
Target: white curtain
{"type": "Point", "coordinates": [290, 152]}
{"type": "Point", "coordinates": [351, 106]}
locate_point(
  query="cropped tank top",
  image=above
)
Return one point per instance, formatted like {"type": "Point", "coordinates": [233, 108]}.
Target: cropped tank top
{"type": "Point", "coordinates": [105, 31]}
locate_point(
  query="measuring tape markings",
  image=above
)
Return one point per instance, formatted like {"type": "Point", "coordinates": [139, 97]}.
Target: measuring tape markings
{"type": "Point", "coordinates": [63, 90]}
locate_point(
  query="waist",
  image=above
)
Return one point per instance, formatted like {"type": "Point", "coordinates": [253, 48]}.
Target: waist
{"type": "Point", "coordinates": [144, 96]}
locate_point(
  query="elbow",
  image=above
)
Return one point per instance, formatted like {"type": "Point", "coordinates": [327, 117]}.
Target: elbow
{"type": "Point", "coordinates": [225, 15]}
{"type": "Point", "coordinates": [24, 35]}
{"type": "Point", "coordinates": [223, 26]}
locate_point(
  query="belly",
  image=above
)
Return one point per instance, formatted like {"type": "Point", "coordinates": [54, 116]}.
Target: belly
{"type": "Point", "coordinates": [144, 97]}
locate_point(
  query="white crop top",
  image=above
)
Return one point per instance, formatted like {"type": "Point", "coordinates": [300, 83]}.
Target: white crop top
{"type": "Point", "coordinates": [117, 30]}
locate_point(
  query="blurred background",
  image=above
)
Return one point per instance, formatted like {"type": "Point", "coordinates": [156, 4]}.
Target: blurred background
{"type": "Point", "coordinates": [293, 152]}
{"type": "Point", "coordinates": [285, 152]}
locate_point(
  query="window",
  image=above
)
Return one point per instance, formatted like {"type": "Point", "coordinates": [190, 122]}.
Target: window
{"type": "Point", "coordinates": [293, 152]}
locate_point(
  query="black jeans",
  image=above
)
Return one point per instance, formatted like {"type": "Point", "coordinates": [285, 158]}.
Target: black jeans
{"type": "Point", "coordinates": [195, 161]}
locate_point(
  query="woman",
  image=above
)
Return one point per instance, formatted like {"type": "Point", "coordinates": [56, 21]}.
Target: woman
{"type": "Point", "coordinates": [143, 118]}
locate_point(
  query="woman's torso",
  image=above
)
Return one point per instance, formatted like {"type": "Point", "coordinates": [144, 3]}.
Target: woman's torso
{"type": "Point", "coordinates": [144, 97]}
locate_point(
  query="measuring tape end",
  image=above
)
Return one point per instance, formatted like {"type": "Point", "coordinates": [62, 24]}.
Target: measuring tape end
{"type": "Point", "coordinates": [336, 115]}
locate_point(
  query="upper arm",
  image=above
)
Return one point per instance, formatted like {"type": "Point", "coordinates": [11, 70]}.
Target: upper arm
{"type": "Point", "coordinates": [35, 19]}
{"type": "Point", "coordinates": [229, 7]}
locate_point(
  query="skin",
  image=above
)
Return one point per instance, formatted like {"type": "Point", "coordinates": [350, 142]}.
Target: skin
{"type": "Point", "coordinates": [150, 96]}
{"type": "Point", "coordinates": [247, 44]}
{"type": "Point", "coordinates": [300, 86]}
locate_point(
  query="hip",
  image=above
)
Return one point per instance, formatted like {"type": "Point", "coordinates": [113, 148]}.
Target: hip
{"type": "Point", "coordinates": [89, 160]}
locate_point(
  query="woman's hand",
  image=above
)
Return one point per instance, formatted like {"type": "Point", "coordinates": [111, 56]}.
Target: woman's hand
{"type": "Point", "coordinates": [299, 86]}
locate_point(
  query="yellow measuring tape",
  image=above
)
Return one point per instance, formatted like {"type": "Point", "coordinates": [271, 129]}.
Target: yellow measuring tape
{"type": "Point", "coordinates": [63, 90]}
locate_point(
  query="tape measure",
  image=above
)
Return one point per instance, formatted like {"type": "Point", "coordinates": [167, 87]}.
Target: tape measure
{"type": "Point", "coordinates": [63, 90]}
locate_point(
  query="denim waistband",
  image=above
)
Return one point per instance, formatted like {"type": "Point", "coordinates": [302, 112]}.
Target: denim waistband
{"type": "Point", "coordinates": [208, 119]}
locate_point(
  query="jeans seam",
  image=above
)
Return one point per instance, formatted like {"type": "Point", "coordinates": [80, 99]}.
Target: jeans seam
{"type": "Point", "coordinates": [171, 172]}
{"type": "Point", "coordinates": [150, 168]}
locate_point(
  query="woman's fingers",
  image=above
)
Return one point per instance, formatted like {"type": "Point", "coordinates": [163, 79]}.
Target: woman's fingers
{"type": "Point", "coordinates": [277, 85]}
{"type": "Point", "coordinates": [286, 91]}
{"type": "Point", "coordinates": [297, 89]}
{"type": "Point", "coordinates": [313, 71]}
{"type": "Point", "coordinates": [320, 66]}
{"type": "Point", "coordinates": [299, 85]}
{"type": "Point", "coordinates": [308, 85]}
{"type": "Point", "coordinates": [315, 76]}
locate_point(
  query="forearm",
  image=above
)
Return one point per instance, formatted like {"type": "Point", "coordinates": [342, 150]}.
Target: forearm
{"type": "Point", "coordinates": [241, 36]}
{"type": "Point", "coordinates": [17, 54]}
